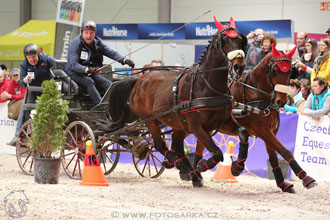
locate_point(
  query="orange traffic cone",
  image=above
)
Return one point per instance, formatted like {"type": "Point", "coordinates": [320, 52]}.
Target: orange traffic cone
{"type": "Point", "coordinates": [93, 174]}
{"type": "Point", "coordinates": [223, 172]}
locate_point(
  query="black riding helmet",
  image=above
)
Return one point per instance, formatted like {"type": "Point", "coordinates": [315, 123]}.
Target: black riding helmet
{"type": "Point", "coordinates": [88, 25]}
{"type": "Point", "coordinates": [30, 49]}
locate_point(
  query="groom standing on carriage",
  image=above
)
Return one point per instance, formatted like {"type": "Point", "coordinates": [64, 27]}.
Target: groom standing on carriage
{"type": "Point", "coordinates": [85, 57]}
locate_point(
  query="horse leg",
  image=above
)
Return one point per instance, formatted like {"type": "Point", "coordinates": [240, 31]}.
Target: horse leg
{"type": "Point", "coordinates": [285, 186]}
{"type": "Point", "coordinates": [232, 127]}
{"type": "Point", "coordinates": [216, 153]}
{"type": "Point", "coordinates": [275, 144]}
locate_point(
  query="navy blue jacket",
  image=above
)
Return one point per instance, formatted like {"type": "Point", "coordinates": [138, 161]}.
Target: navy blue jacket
{"type": "Point", "coordinates": [41, 70]}
{"type": "Point", "coordinates": [78, 49]}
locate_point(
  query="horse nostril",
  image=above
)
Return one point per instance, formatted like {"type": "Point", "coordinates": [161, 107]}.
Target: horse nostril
{"type": "Point", "coordinates": [238, 68]}
{"type": "Point", "coordinates": [279, 103]}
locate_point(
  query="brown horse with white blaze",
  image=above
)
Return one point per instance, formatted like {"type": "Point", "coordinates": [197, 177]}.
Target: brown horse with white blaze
{"type": "Point", "coordinates": [257, 89]}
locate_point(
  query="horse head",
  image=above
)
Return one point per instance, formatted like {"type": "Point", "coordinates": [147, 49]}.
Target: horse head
{"type": "Point", "coordinates": [231, 42]}
{"type": "Point", "coordinates": [279, 71]}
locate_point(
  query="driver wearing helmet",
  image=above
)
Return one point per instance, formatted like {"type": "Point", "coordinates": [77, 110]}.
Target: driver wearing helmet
{"type": "Point", "coordinates": [85, 56]}
{"type": "Point", "coordinates": [35, 68]}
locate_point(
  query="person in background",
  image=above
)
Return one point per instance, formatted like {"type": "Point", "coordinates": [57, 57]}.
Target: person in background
{"type": "Point", "coordinates": [295, 58]}
{"type": "Point", "coordinates": [318, 102]}
{"type": "Point", "coordinates": [322, 61]}
{"type": "Point", "coordinates": [267, 41]}
{"type": "Point", "coordinates": [85, 57]}
{"type": "Point", "coordinates": [305, 88]}
{"type": "Point", "coordinates": [35, 69]}
{"type": "Point", "coordinates": [305, 66]}
{"type": "Point", "coordinates": [157, 63]}
{"type": "Point", "coordinates": [15, 94]}
{"type": "Point", "coordinates": [4, 84]}
{"type": "Point", "coordinates": [328, 32]}
{"type": "Point", "coordinates": [296, 100]}
{"type": "Point", "coordinates": [253, 48]}
{"type": "Point", "coordinates": [301, 40]}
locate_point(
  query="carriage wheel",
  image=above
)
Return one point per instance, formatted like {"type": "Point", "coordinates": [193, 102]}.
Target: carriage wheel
{"type": "Point", "coordinates": [148, 162]}
{"type": "Point", "coordinates": [76, 135]}
{"type": "Point", "coordinates": [24, 154]}
{"type": "Point", "coordinates": [108, 156]}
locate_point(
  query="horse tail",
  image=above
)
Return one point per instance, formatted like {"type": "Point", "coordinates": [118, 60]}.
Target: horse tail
{"type": "Point", "coordinates": [119, 109]}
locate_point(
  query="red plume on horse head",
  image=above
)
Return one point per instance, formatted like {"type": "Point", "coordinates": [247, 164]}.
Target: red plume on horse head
{"type": "Point", "coordinates": [230, 33]}
{"type": "Point", "coordinates": [284, 65]}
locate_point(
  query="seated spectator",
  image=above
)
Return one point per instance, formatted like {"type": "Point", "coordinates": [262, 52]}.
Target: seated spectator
{"type": "Point", "coordinates": [4, 84]}
{"type": "Point", "coordinates": [296, 100]}
{"type": "Point", "coordinates": [266, 43]}
{"type": "Point", "coordinates": [305, 66]}
{"type": "Point", "coordinates": [253, 48]}
{"type": "Point", "coordinates": [318, 102]}
{"type": "Point", "coordinates": [305, 88]}
{"type": "Point", "coordinates": [157, 63]}
{"type": "Point", "coordinates": [322, 61]}
{"type": "Point", "coordinates": [15, 94]}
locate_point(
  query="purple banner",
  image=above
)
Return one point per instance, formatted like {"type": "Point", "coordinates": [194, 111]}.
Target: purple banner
{"type": "Point", "coordinates": [256, 163]}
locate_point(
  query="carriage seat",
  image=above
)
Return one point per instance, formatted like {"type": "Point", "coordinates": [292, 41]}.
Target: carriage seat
{"type": "Point", "coordinates": [68, 85]}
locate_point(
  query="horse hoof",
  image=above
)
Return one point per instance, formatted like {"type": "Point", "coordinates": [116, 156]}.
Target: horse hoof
{"type": "Point", "coordinates": [198, 183]}
{"type": "Point", "coordinates": [167, 164]}
{"type": "Point", "coordinates": [185, 176]}
{"type": "Point", "coordinates": [290, 190]}
{"type": "Point", "coordinates": [311, 185]}
{"type": "Point", "coordinates": [235, 169]}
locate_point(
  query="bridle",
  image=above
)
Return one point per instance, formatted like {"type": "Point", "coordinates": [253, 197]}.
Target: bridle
{"type": "Point", "coordinates": [270, 72]}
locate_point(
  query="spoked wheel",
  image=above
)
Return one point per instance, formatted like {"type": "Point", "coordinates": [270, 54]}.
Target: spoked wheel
{"type": "Point", "coordinates": [108, 156]}
{"type": "Point", "coordinates": [76, 135]}
{"type": "Point", "coordinates": [148, 160]}
{"type": "Point", "coordinates": [24, 154]}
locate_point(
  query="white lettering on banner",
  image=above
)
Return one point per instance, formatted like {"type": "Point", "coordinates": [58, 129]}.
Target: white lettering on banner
{"type": "Point", "coordinates": [312, 150]}
{"type": "Point", "coordinates": [207, 31]}
{"type": "Point", "coordinates": [114, 32]}
{"type": "Point", "coordinates": [66, 42]}
{"type": "Point", "coordinates": [12, 53]}
{"type": "Point", "coordinates": [272, 32]}
{"type": "Point", "coordinates": [29, 34]}
{"type": "Point", "coordinates": [161, 34]}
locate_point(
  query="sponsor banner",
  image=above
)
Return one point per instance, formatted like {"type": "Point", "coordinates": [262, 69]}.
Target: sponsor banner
{"type": "Point", "coordinates": [312, 150]}
{"type": "Point", "coordinates": [65, 33]}
{"type": "Point", "coordinates": [70, 12]}
{"type": "Point", "coordinates": [203, 30]}
{"type": "Point", "coordinates": [278, 28]}
{"type": "Point", "coordinates": [117, 31]}
{"type": "Point", "coordinates": [164, 31]}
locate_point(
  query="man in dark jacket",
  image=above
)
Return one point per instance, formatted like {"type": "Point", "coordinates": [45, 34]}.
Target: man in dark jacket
{"type": "Point", "coordinates": [35, 68]}
{"type": "Point", "coordinates": [85, 56]}
{"type": "Point", "coordinates": [253, 49]}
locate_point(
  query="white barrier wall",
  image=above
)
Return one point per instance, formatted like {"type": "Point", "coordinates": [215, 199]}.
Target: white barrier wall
{"type": "Point", "coordinates": [7, 129]}
{"type": "Point", "coordinates": [312, 149]}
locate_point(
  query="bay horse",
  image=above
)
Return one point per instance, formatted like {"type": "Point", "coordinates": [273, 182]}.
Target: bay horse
{"type": "Point", "coordinates": [256, 89]}
{"type": "Point", "coordinates": [200, 99]}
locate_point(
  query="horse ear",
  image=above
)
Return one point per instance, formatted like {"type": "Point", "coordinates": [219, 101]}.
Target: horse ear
{"type": "Point", "coordinates": [232, 22]}
{"type": "Point", "coordinates": [218, 24]}
{"type": "Point", "coordinates": [275, 52]}
{"type": "Point", "coordinates": [290, 54]}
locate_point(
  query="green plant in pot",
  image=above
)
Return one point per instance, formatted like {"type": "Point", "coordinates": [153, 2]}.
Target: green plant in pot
{"type": "Point", "coordinates": [47, 132]}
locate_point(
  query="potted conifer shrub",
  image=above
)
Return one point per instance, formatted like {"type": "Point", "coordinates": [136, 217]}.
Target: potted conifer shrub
{"type": "Point", "coordinates": [48, 133]}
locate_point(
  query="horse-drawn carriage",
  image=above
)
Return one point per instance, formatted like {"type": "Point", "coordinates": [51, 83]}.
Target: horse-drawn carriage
{"type": "Point", "coordinates": [83, 118]}
{"type": "Point", "coordinates": [195, 100]}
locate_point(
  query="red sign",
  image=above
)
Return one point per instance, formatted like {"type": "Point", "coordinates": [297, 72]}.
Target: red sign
{"type": "Point", "coordinates": [325, 6]}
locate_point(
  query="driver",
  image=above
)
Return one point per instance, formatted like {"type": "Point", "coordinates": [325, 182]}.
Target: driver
{"type": "Point", "coordinates": [85, 56]}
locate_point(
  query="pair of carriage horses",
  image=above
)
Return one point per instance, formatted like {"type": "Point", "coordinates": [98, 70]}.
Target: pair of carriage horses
{"type": "Point", "coordinates": [202, 102]}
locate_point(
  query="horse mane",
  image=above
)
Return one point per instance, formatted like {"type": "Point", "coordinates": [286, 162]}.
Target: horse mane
{"type": "Point", "coordinates": [203, 55]}
{"type": "Point", "coordinates": [262, 66]}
